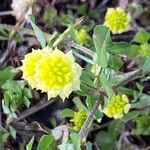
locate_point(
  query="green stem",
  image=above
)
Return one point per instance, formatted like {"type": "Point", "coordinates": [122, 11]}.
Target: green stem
{"type": "Point", "coordinates": [83, 58]}
{"type": "Point", "coordinates": [127, 77]}
{"type": "Point", "coordinates": [80, 48]}
{"type": "Point", "coordinates": [85, 128]}
{"type": "Point", "coordinates": [66, 32]}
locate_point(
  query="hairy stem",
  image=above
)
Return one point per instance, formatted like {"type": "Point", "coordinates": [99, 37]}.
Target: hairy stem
{"type": "Point", "coordinates": [84, 130]}
{"type": "Point", "coordinates": [128, 77]}
{"type": "Point", "coordinates": [37, 107]}
{"type": "Point", "coordinates": [80, 48]}
{"type": "Point", "coordinates": [66, 32]}
{"type": "Point", "coordinates": [131, 75]}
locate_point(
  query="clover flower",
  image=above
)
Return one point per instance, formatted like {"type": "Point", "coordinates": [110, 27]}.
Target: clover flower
{"type": "Point", "coordinates": [78, 119]}
{"type": "Point", "coordinates": [55, 73]}
{"type": "Point", "coordinates": [82, 37]}
{"type": "Point", "coordinates": [117, 20]}
{"type": "Point", "coordinates": [117, 106]}
{"type": "Point", "coordinates": [144, 50]}
{"type": "Point", "coordinates": [29, 66]}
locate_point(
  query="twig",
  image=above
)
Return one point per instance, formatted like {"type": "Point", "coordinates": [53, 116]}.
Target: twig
{"type": "Point", "coordinates": [37, 107]}
{"type": "Point", "coordinates": [66, 32]}
{"type": "Point", "coordinates": [129, 77]}
{"type": "Point", "coordinates": [4, 13]}
{"type": "Point", "coordinates": [84, 130]}
{"type": "Point", "coordinates": [101, 126]}
{"type": "Point", "coordinates": [83, 58]}
{"type": "Point", "coordinates": [80, 48]}
{"type": "Point", "coordinates": [5, 55]}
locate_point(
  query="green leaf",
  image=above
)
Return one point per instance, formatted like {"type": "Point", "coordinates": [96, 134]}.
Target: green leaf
{"type": "Point", "coordinates": [76, 141]}
{"type": "Point", "coordinates": [122, 48]}
{"type": "Point", "coordinates": [142, 37]}
{"type": "Point", "coordinates": [115, 62]}
{"type": "Point", "coordinates": [3, 137]}
{"type": "Point", "coordinates": [104, 140]}
{"type": "Point", "coordinates": [6, 74]}
{"type": "Point", "coordinates": [140, 87]}
{"type": "Point", "coordinates": [86, 78]}
{"type": "Point", "coordinates": [39, 34]}
{"type": "Point", "coordinates": [66, 19]}
{"type": "Point", "coordinates": [66, 146]}
{"type": "Point", "coordinates": [13, 114]}
{"type": "Point", "coordinates": [90, 103]}
{"type": "Point", "coordinates": [106, 84]}
{"type": "Point", "coordinates": [67, 113]}
{"type": "Point", "coordinates": [127, 91]}
{"type": "Point", "coordinates": [4, 35]}
{"type": "Point", "coordinates": [146, 66]}
{"type": "Point", "coordinates": [115, 128]}
{"type": "Point", "coordinates": [12, 131]}
{"type": "Point", "coordinates": [143, 102]}
{"type": "Point", "coordinates": [134, 50]}
{"type": "Point", "coordinates": [26, 101]}
{"type": "Point", "coordinates": [47, 142]}
{"type": "Point", "coordinates": [79, 104]}
{"type": "Point", "coordinates": [4, 32]}
{"type": "Point", "coordinates": [49, 15]}
{"type": "Point", "coordinates": [13, 87]}
{"type": "Point", "coordinates": [102, 40]}
{"type": "Point", "coordinates": [7, 98]}
{"type": "Point", "coordinates": [30, 144]}
{"type": "Point", "coordinates": [130, 115]}
{"type": "Point", "coordinates": [6, 110]}
{"type": "Point", "coordinates": [27, 92]}
{"type": "Point", "coordinates": [142, 125]}
{"type": "Point", "coordinates": [82, 9]}
{"type": "Point", "coordinates": [2, 38]}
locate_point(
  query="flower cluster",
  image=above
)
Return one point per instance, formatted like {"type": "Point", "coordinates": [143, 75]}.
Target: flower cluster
{"type": "Point", "coordinates": [82, 37]}
{"type": "Point", "coordinates": [144, 50]}
{"type": "Point", "coordinates": [117, 20]}
{"type": "Point", "coordinates": [52, 71]}
{"type": "Point", "coordinates": [117, 106]}
{"type": "Point", "coordinates": [78, 119]}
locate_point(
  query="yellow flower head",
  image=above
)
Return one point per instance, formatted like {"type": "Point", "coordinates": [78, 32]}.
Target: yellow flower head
{"type": "Point", "coordinates": [117, 106]}
{"type": "Point", "coordinates": [82, 37]}
{"type": "Point", "coordinates": [78, 119]}
{"type": "Point", "coordinates": [55, 72]}
{"type": "Point", "coordinates": [117, 20]}
{"type": "Point", "coordinates": [144, 50]}
{"type": "Point", "coordinates": [29, 64]}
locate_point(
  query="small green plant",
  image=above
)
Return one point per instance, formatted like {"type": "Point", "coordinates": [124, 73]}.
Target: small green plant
{"type": "Point", "coordinates": [83, 64]}
{"type": "Point", "coordinates": [16, 94]}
